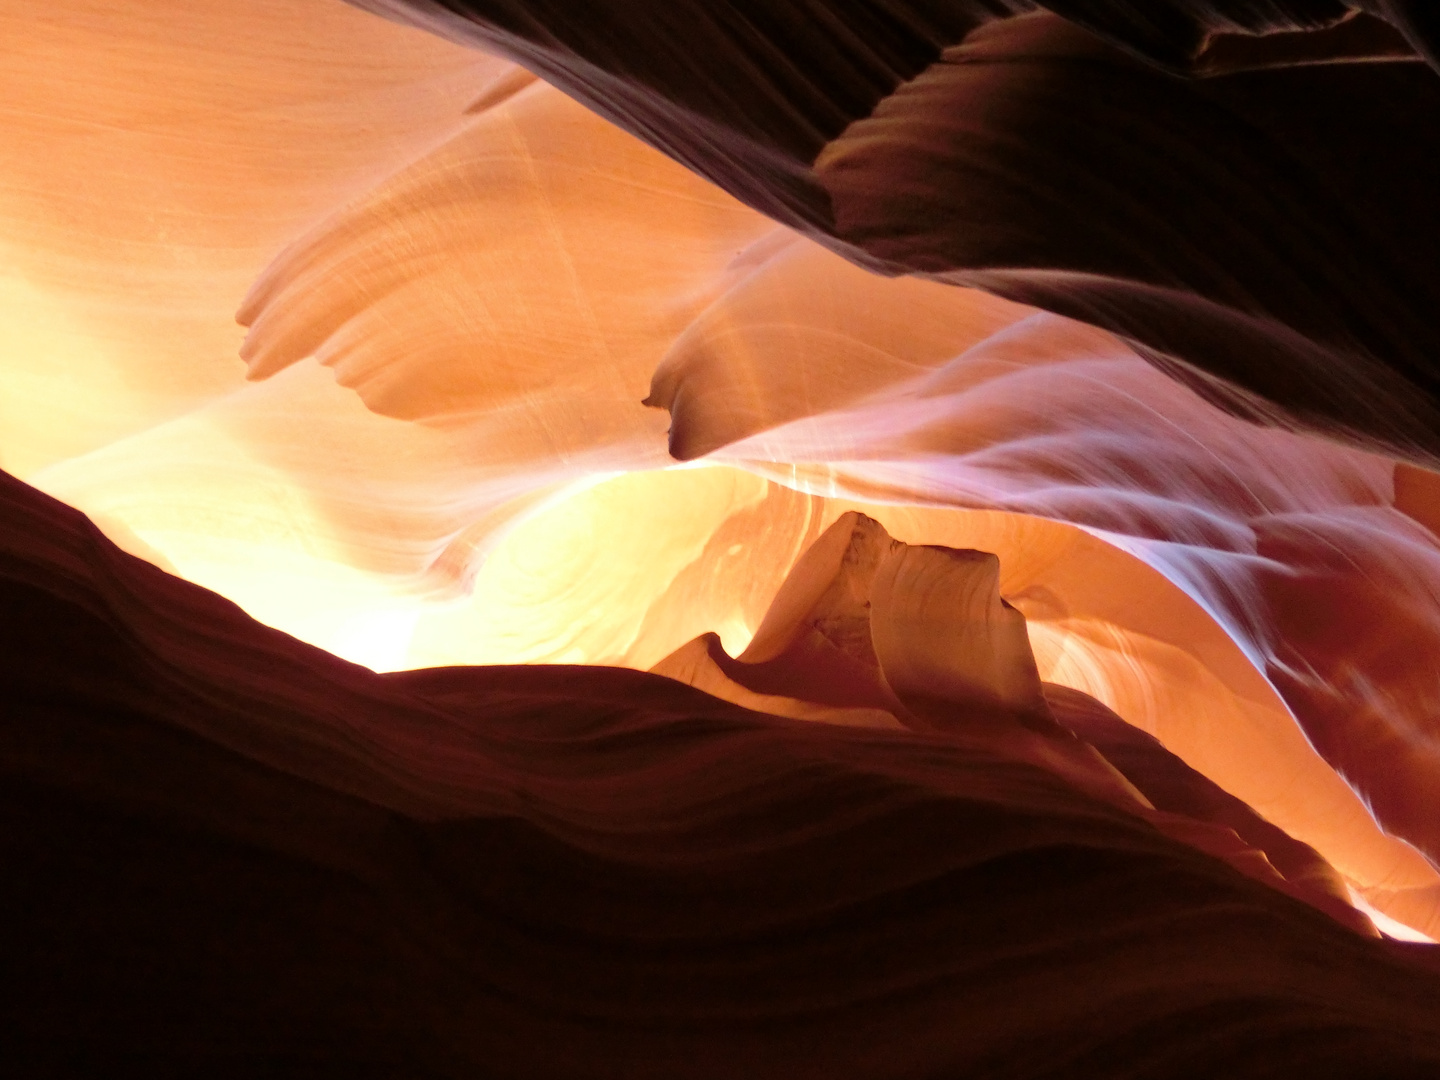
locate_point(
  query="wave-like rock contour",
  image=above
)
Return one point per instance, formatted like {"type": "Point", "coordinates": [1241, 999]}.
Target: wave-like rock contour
{"type": "Point", "coordinates": [227, 852]}
{"type": "Point", "coordinates": [1228, 186]}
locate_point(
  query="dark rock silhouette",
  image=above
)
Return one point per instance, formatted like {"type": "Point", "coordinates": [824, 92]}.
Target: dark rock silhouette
{"type": "Point", "coordinates": [227, 852]}
{"type": "Point", "coordinates": [1230, 187]}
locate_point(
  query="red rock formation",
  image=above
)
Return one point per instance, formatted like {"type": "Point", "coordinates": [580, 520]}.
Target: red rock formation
{"type": "Point", "coordinates": [228, 852]}
{"type": "Point", "coordinates": [902, 847]}
{"type": "Point", "coordinates": [1265, 234]}
{"type": "Point", "coordinates": [867, 624]}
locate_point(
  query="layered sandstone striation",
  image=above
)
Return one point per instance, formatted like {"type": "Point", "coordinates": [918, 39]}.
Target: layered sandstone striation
{"type": "Point", "coordinates": [228, 851]}
{"type": "Point", "coordinates": [1014, 420]}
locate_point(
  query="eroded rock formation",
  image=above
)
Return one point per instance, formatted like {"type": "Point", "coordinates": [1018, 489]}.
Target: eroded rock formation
{"type": "Point", "coordinates": [867, 629]}
{"type": "Point", "coordinates": [1265, 233]}
{"type": "Point", "coordinates": [229, 852]}
{"type": "Point", "coordinates": [1119, 316]}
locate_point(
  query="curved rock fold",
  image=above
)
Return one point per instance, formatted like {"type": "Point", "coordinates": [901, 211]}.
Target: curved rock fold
{"type": "Point", "coordinates": [1047, 529]}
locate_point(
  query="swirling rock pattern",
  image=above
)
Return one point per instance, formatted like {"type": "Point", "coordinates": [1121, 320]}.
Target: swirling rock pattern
{"type": "Point", "coordinates": [228, 851]}
{"type": "Point", "coordinates": [1266, 233]}
{"type": "Point", "coordinates": [1079, 779]}
{"type": "Point", "coordinates": [865, 624]}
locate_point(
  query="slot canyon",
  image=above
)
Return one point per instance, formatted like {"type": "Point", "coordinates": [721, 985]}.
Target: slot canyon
{"type": "Point", "coordinates": [878, 539]}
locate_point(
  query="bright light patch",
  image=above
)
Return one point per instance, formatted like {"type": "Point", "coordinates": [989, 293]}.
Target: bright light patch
{"type": "Point", "coordinates": [1386, 925]}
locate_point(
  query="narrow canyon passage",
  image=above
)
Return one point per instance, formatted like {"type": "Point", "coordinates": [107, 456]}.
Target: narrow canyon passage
{"type": "Point", "coordinates": [887, 538]}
